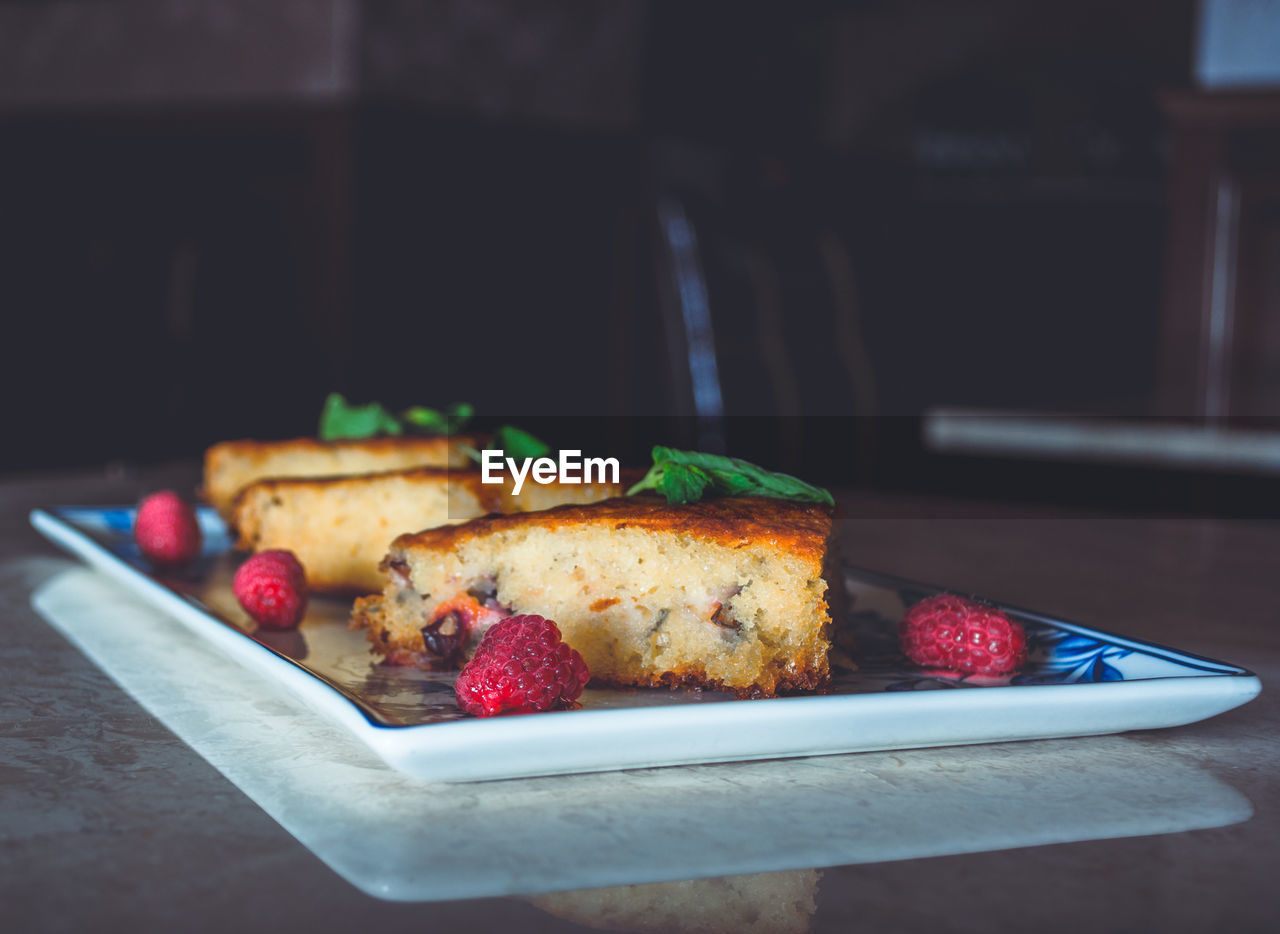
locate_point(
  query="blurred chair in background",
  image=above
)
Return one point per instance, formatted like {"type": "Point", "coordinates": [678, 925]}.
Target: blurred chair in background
{"type": "Point", "coordinates": [758, 301]}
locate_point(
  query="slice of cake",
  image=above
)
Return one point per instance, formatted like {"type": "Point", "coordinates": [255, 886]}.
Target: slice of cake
{"type": "Point", "coordinates": [231, 466]}
{"type": "Point", "coordinates": [724, 593]}
{"type": "Point", "coordinates": [341, 527]}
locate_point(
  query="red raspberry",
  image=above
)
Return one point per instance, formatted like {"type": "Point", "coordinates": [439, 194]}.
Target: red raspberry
{"type": "Point", "coordinates": [521, 666]}
{"type": "Point", "coordinates": [272, 588]}
{"type": "Point", "coordinates": [166, 529]}
{"type": "Point", "coordinates": [962, 635]}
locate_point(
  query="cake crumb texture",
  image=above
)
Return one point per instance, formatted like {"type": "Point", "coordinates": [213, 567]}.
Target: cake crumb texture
{"type": "Point", "coordinates": [724, 594]}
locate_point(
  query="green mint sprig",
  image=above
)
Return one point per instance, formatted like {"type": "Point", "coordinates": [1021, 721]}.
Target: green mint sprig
{"type": "Point", "coordinates": [435, 422]}
{"type": "Point", "coordinates": [340, 420]}
{"type": "Point", "coordinates": [687, 476]}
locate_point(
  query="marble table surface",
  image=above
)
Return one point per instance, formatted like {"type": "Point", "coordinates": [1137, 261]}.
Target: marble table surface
{"type": "Point", "coordinates": [109, 821]}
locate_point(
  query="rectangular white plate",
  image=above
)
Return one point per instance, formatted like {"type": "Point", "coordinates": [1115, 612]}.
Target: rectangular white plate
{"type": "Point", "coordinates": [395, 836]}
{"type": "Point", "coordinates": [1077, 682]}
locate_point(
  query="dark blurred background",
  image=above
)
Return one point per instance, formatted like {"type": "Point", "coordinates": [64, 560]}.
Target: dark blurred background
{"type": "Point", "coordinates": [846, 239]}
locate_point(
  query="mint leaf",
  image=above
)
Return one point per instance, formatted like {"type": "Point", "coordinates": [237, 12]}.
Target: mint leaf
{"type": "Point", "coordinates": [732, 484]}
{"type": "Point", "coordinates": [653, 480]}
{"type": "Point", "coordinates": [684, 483]}
{"type": "Point", "coordinates": [339, 419]}
{"type": "Point", "coordinates": [517, 443]}
{"type": "Point", "coordinates": [459, 414]}
{"type": "Point", "coordinates": [679, 475]}
{"type": "Point", "coordinates": [435, 422]}
{"type": "Point", "coordinates": [431, 420]}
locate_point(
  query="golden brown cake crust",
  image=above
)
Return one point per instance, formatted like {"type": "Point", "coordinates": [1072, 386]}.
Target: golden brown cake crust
{"type": "Point", "coordinates": [384, 443]}
{"type": "Point", "coordinates": [810, 678]}
{"type": "Point", "coordinates": [799, 528]}
{"type": "Point", "coordinates": [434, 447]}
{"type": "Point", "coordinates": [489, 494]}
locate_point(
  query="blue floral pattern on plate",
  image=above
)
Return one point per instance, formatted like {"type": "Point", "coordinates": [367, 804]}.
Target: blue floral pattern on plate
{"type": "Point", "coordinates": [1057, 652]}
